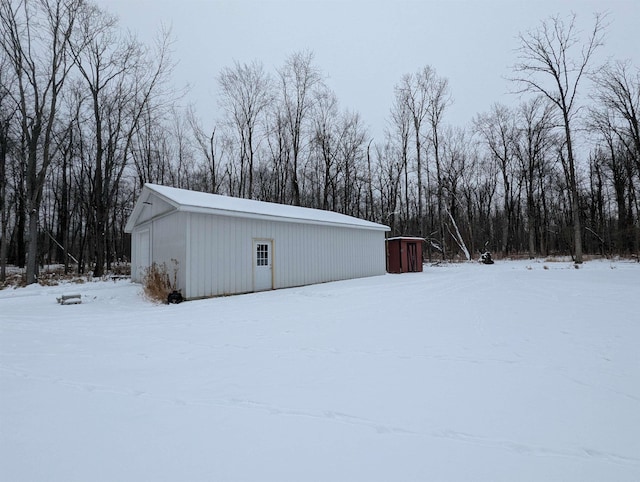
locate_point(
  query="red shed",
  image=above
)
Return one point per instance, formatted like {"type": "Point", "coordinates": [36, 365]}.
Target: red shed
{"type": "Point", "coordinates": [404, 255]}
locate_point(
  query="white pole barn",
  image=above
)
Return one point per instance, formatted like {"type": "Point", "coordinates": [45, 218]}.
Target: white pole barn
{"type": "Point", "coordinates": [224, 245]}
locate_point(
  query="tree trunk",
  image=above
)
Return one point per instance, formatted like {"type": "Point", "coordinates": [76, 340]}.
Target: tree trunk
{"type": "Point", "coordinates": [575, 205]}
{"type": "Point", "coordinates": [3, 202]}
{"type": "Point", "coordinates": [419, 169]}
{"type": "Point", "coordinates": [100, 213]}
{"type": "Point", "coordinates": [32, 246]}
{"type": "Point", "coordinates": [33, 209]}
{"type": "Point", "coordinates": [532, 232]}
{"type": "Point", "coordinates": [507, 215]}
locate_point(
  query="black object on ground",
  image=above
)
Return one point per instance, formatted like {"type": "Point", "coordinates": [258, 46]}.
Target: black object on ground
{"type": "Point", "coordinates": [175, 297]}
{"type": "Point", "coordinates": [485, 258]}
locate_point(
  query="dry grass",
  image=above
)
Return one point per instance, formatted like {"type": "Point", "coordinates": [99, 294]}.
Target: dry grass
{"type": "Point", "coordinates": [158, 283]}
{"type": "Point", "coordinates": [53, 275]}
{"type": "Point", "coordinates": [13, 280]}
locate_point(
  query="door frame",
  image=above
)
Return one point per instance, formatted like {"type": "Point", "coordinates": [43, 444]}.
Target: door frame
{"type": "Point", "coordinates": [271, 258]}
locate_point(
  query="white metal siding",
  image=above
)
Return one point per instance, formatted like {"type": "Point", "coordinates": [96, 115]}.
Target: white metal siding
{"type": "Point", "coordinates": [169, 243]}
{"type": "Point", "coordinates": [220, 253]}
{"type": "Point", "coordinates": [140, 252]}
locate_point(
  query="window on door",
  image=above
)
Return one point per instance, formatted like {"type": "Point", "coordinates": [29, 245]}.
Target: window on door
{"type": "Point", "coordinates": [262, 254]}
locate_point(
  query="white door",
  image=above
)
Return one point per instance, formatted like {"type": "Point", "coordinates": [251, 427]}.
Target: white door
{"type": "Point", "coordinates": [143, 252]}
{"type": "Point", "coordinates": [262, 265]}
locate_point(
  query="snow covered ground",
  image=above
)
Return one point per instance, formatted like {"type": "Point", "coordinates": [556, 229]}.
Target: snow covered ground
{"type": "Point", "coordinates": [463, 372]}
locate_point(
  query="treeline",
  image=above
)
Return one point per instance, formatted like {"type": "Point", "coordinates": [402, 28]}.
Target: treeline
{"type": "Point", "coordinates": [87, 116]}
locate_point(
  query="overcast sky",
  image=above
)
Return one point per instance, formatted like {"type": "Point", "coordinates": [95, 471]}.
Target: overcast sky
{"type": "Point", "coordinates": [363, 47]}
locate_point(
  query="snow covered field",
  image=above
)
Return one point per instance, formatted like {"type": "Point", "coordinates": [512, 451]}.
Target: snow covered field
{"type": "Point", "coordinates": [466, 372]}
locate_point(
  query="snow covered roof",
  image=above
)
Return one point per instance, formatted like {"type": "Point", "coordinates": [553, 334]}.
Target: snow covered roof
{"type": "Point", "coordinates": [201, 202]}
{"type": "Point", "coordinates": [406, 238]}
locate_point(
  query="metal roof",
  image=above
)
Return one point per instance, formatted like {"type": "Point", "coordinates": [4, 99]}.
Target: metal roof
{"type": "Point", "coordinates": [201, 202]}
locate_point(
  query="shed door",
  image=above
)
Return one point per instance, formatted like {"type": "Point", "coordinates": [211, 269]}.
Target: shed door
{"type": "Point", "coordinates": [143, 251]}
{"type": "Point", "coordinates": [412, 257]}
{"type": "Point", "coordinates": [262, 265]}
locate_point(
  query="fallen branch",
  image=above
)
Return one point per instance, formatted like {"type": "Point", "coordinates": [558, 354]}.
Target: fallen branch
{"type": "Point", "coordinates": [457, 237]}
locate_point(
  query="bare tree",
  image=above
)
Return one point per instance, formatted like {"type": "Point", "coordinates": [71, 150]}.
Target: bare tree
{"type": "Point", "coordinates": [618, 92]}
{"type": "Point", "coordinates": [615, 119]}
{"type": "Point", "coordinates": [615, 158]}
{"type": "Point", "coordinates": [326, 139]}
{"type": "Point", "coordinates": [477, 184]}
{"type": "Point", "coordinates": [419, 105]}
{"type": "Point", "coordinates": [400, 135]}
{"type": "Point", "coordinates": [298, 78]}
{"type": "Point", "coordinates": [439, 97]}
{"type": "Point", "coordinates": [279, 153]}
{"type": "Point", "coordinates": [122, 81]}
{"type": "Point", "coordinates": [497, 129]}
{"type": "Point", "coordinates": [548, 53]}
{"type": "Point", "coordinates": [8, 111]}
{"type": "Point", "coordinates": [211, 172]}
{"type": "Point", "coordinates": [388, 173]}
{"type": "Point", "coordinates": [61, 186]}
{"type": "Point", "coordinates": [534, 124]}
{"type": "Point", "coordinates": [351, 148]}
{"type": "Point", "coordinates": [151, 148]}
{"type": "Point", "coordinates": [455, 161]}
{"type": "Point", "coordinates": [34, 36]}
{"type": "Point", "coordinates": [414, 92]}
{"type": "Point", "coordinates": [246, 92]}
